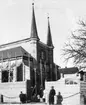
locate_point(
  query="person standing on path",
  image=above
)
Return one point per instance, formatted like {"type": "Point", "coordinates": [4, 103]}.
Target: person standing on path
{"type": "Point", "coordinates": [51, 96]}
{"type": "Point", "coordinates": [59, 99]}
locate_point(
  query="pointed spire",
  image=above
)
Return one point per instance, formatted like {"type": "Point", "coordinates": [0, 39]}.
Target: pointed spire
{"type": "Point", "coordinates": [49, 37]}
{"type": "Point", "coordinates": [34, 33]}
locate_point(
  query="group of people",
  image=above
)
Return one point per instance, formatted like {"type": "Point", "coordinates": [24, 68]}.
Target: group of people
{"type": "Point", "coordinates": [59, 97]}
{"type": "Point", "coordinates": [34, 97]}
{"type": "Point", "coordinates": [52, 94]}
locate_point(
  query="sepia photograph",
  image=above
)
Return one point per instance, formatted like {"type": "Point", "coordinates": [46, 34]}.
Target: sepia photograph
{"type": "Point", "coordinates": [43, 52]}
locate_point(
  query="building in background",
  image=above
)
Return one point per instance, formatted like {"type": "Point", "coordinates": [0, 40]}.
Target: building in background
{"type": "Point", "coordinates": [27, 60]}
{"type": "Point", "coordinates": [67, 71]}
{"type": "Point", "coordinates": [70, 75]}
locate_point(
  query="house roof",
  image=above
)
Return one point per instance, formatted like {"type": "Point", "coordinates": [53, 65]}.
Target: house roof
{"type": "Point", "coordinates": [13, 52]}
{"type": "Point", "coordinates": [71, 70]}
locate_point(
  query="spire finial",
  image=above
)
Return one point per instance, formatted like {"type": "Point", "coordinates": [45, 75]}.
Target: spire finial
{"type": "Point", "coordinates": [33, 3]}
{"type": "Point", "coordinates": [48, 16]}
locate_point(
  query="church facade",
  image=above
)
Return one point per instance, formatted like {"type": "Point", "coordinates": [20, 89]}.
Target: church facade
{"type": "Point", "coordinates": [27, 63]}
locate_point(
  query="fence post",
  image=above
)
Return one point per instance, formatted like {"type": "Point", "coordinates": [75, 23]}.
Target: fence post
{"type": "Point", "coordinates": [1, 98]}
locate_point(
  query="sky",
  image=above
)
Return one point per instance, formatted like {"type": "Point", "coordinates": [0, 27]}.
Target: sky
{"type": "Point", "coordinates": [15, 21]}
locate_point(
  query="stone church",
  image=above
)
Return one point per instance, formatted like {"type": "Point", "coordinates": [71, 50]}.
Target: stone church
{"type": "Point", "coordinates": [27, 63]}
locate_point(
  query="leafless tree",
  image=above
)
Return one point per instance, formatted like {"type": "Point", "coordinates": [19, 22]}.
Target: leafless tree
{"type": "Point", "coordinates": [75, 48]}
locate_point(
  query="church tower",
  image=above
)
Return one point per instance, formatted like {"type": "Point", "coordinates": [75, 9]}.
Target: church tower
{"type": "Point", "coordinates": [50, 50]}
{"type": "Point", "coordinates": [34, 35]}
{"type": "Point", "coordinates": [49, 37]}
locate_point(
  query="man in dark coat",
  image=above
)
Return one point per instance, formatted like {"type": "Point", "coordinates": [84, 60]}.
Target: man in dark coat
{"type": "Point", "coordinates": [51, 96]}
{"type": "Point", "coordinates": [22, 97]}
{"type": "Point", "coordinates": [41, 92]}
{"type": "Point", "coordinates": [59, 99]}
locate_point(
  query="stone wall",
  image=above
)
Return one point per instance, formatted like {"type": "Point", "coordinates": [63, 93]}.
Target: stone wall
{"type": "Point", "coordinates": [11, 90]}
{"type": "Point", "coordinates": [70, 92]}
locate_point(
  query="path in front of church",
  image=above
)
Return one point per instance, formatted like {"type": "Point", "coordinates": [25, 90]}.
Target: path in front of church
{"type": "Point", "coordinates": [25, 104]}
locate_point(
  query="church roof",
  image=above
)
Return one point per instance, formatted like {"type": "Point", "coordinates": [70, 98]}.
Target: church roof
{"type": "Point", "coordinates": [13, 52]}
{"type": "Point", "coordinates": [34, 33]}
{"type": "Point", "coordinates": [49, 37]}
{"type": "Point", "coordinates": [71, 70]}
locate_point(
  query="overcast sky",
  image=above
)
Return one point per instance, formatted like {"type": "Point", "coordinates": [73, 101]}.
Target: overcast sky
{"type": "Point", "coordinates": [15, 21]}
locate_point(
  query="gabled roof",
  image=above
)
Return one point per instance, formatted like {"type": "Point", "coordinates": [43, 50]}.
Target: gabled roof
{"type": "Point", "coordinates": [13, 52]}
{"type": "Point", "coordinates": [71, 70]}
{"type": "Point", "coordinates": [15, 42]}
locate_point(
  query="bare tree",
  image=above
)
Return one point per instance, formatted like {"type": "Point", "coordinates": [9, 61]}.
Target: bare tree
{"type": "Point", "coordinates": [75, 48]}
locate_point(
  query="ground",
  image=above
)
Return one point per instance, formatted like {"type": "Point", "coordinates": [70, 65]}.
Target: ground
{"type": "Point", "coordinates": [26, 104]}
